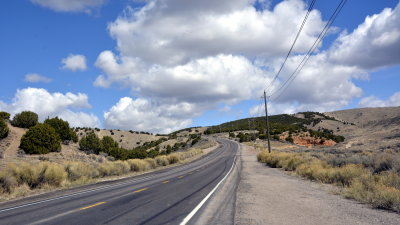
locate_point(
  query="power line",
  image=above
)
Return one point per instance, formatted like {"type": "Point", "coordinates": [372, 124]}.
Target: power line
{"type": "Point", "coordinates": [294, 42]}
{"type": "Point", "coordinates": [306, 57]}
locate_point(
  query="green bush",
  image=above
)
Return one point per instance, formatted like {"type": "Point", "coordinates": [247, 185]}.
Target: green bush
{"type": "Point", "coordinates": [90, 143]}
{"type": "Point", "coordinates": [62, 128]}
{"type": "Point", "coordinates": [4, 115]}
{"type": "Point", "coordinates": [108, 143]}
{"type": "Point", "coordinates": [40, 139]}
{"type": "Point", "coordinates": [25, 119]}
{"type": "Point", "coordinates": [3, 129]}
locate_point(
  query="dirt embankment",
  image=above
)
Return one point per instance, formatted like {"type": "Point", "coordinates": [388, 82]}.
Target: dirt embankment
{"type": "Point", "coordinates": [270, 196]}
{"type": "Point", "coordinates": [10, 145]}
{"type": "Point", "coordinates": [304, 139]}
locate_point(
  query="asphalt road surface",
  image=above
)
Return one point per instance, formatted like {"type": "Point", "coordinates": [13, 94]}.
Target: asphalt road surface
{"type": "Point", "coordinates": [169, 196]}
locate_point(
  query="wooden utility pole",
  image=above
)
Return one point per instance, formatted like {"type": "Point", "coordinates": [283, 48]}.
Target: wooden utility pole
{"type": "Point", "coordinates": [267, 122]}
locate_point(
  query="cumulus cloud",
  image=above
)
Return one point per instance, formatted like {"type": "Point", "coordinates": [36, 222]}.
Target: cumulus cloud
{"type": "Point", "coordinates": [222, 78]}
{"type": "Point", "coordinates": [212, 53]}
{"type": "Point", "coordinates": [101, 81]}
{"type": "Point", "coordinates": [47, 104]}
{"type": "Point", "coordinates": [74, 62]}
{"type": "Point", "coordinates": [375, 43]}
{"type": "Point", "coordinates": [320, 83]}
{"type": "Point", "coordinates": [35, 78]}
{"type": "Point", "coordinates": [326, 82]}
{"type": "Point", "coordinates": [146, 115]}
{"type": "Point", "coordinates": [273, 109]}
{"type": "Point", "coordinates": [373, 101]}
{"type": "Point", "coordinates": [199, 53]}
{"type": "Point", "coordinates": [173, 32]}
{"type": "Point", "coordinates": [70, 5]}
{"type": "Point", "coordinates": [80, 119]}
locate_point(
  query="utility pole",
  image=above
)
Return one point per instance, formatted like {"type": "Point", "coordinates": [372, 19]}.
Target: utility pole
{"type": "Point", "coordinates": [266, 121]}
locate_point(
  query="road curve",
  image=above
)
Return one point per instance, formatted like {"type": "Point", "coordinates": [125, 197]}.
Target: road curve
{"type": "Point", "coordinates": [163, 197]}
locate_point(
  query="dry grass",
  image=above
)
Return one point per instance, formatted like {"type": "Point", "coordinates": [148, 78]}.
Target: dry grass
{"type": "Point", "coordinates": [139, 165]}
{"type": "Point", "coordinates": [162, 160]}
{"type": "Point", "coordinates": [382, 190]}
{"type": "Point", "coordinates": [18, 180]}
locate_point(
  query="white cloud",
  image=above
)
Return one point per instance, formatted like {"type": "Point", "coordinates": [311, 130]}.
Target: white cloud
{"type": "Point", "coordinates": [273, 109]}
{"type": "Point", "coordinates": [35, 78]}
{"type": "Point", "coordinates": [212, 53]}
{"type": "Point", "coordinates": [74, 62]}
{"type": "Point", "coordinates": [172, 32]}
{"type": "Point", "coordinates": [70, 5]}
{"type": "Point", "coordinates": [326, 82]}
{"type": "Point", "coordinates": [375, 43]}
{"type": "Point", "coordinates": [142, 114]}
{"type": "Point", "coordinates": [373, 101]}
{"type": "Point", "coordinates": [223, 78]}
{"type": "Point", "coordinates": [80, 119]}
{"type": "Point", "coordinates": [47, 104]}
{"type": "Point", "coordinates": [101, 81]}
{"type": "Point", "coordinates": [320, 83]}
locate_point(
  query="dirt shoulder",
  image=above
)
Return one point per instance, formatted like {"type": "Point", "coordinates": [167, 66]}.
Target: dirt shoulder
{"type": "Point", "coordinates": [271, 196]}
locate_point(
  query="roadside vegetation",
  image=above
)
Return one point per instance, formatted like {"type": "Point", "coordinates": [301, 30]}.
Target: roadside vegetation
{"type": "Point", "coordinates": [21, 179]}
{"type": "Point", "coordinates": [364, 176]}
{"type": "Point", "coordinates": [90, 160]}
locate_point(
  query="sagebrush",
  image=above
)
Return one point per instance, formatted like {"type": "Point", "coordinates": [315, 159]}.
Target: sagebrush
{"type": "Point", "coordinates": [381, 189]}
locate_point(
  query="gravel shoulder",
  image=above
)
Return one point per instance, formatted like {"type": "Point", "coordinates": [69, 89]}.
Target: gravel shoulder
{"type": "Point", "coordinates": [271, 196]}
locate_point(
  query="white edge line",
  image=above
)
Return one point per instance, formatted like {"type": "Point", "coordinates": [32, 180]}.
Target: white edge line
{"type": "Point", "coordinates": [194, 211]}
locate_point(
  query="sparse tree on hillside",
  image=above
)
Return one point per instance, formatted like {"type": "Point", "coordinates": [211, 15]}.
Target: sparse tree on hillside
{"type": "Point", "coordinates": [63, 129]}
{"type": "Point", "coordinates": [169, 149]}
{"type": "Point", "coordinates": [107, 144]}
{"type": "Point", "coordinates": [4, 116]}
{"type": "Point", "coordinates": [25, 119]}
{"type": "Point", "coordinates": [90, 143]}
{"type": "Point", "coordinates": [40, 139]}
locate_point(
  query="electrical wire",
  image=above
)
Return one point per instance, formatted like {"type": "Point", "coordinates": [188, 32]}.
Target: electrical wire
{"type": "Point", "coordinates": [306, 57]}
{"type": "Point", "coordinates": [294, 42]}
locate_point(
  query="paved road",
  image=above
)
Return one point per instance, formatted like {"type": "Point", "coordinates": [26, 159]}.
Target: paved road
{"type": "Point", "coordinates": [163, 197]}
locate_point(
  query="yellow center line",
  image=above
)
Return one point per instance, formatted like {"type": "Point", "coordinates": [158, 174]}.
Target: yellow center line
{"type": "Point", "coordinates": [90, 206]}
{"type": "Point", "coordinates": [140, 190]}
{"type": "Point", "coordinates": [180, 177]}
{"type": "Point", "coordinates": [191, 173]}
{"type": "Point", "coordinates": [164, 182]}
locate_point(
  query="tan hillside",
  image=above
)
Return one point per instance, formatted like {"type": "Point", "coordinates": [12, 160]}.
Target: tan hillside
{"type": "Point", "coordinates": [10, 152]}
{"type": "Point", "coordinates": [373, 129]}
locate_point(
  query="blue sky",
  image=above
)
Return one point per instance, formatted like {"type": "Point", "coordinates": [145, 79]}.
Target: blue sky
{"type": "Point", "coordinates": [163, 65]}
